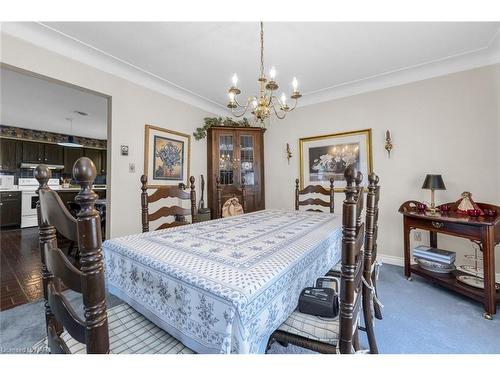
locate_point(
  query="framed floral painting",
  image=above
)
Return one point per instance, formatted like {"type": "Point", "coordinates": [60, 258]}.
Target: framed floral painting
{"type": "Point", "coordinates": [327, 156]}
{"type": "Point", "coordinates": [166, 156]}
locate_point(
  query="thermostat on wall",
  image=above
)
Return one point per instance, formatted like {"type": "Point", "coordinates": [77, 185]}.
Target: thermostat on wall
{"type": "Point", "coordinates": [124, 150]}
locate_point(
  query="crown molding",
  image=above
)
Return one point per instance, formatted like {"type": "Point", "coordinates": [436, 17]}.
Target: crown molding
{"type": "Point", "coordinates": [55, 41]}
{"type": "Point", "coordinates": [484, 56]}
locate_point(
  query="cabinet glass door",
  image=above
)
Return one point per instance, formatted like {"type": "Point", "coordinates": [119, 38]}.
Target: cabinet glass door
{"type": "Point", "coordinates": [226, 159]}
{"type": "Point", "coordinates": [247, 159]}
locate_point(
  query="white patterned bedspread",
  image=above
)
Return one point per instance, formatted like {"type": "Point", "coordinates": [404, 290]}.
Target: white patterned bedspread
{"type": "Point", "coordinates": [223, 286]}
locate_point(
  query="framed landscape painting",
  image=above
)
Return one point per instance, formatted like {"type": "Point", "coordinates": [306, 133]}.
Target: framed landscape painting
{"type": "Point", "coordinates": [327, 156]}
{"type": "Point", "coordinates": [166, 156]}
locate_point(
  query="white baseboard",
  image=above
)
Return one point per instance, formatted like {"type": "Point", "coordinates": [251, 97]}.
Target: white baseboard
{"type": "Point", "coordinates": [399, 261]}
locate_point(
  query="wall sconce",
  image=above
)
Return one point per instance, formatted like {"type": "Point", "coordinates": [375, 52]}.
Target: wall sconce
{"type": "Point", "coordinates": [388, 142]}
{"type": "Point", "coordinates": [288, 153]}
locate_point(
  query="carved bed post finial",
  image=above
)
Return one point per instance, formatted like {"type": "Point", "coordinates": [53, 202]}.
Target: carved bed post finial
{"type": "Point", "coordinates": [219, 198]}
{"type": "Point", "coordinates": [332, 196]}
{"type": "Point", "coordinates": [46, 239]}
{"type": "Point", "coordinates": [193, 199]}
{"type": "Point", "coordinates": [296, 194]}
{"type": "Point", "coordinates": [91, 259]}
{"type": "Point", "coordinates": [243, 195]}
{"type": "Point", "coordinates": [144, 204]}
{"type": "Point", "coordinates": [350, 176]}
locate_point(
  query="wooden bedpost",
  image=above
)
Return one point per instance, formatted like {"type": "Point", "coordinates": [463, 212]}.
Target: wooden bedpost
{"type": "Point", "coordinates": [193, 199]}
{"type": "Point", "coordinates": [91, 259]}
{"type": "Point", "coordinates": [219, 198]}
{"type": "Point", "coordinates": [46, 239]}
{"type": "Point", "coordinates": [332, 196]}
{"type": "Point", "coordinates": [296, 194]}
{"type": "Point", "coordinates": [144, 203]}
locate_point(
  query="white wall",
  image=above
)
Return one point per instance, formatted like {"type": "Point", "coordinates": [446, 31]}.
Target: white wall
{"type": "Point", "coordinates": [447, 125]}
{"type": "Point", "coordinates": [133, 106]}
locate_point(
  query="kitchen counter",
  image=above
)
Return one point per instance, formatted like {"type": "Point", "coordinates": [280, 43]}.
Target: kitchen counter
{"type": "Point", "coordinates": [55, 188]}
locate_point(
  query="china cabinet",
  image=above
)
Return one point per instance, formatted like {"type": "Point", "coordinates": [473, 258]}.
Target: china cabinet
{"type": "Point", "coordinates": [234, 155]}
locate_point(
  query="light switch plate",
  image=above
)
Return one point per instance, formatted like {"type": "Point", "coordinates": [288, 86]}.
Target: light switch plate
{"type": "Point", "coordinates": [131, 168]}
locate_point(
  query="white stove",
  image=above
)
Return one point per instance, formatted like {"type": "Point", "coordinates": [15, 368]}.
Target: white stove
{"type": "Point", "coordinates": [29, 199]}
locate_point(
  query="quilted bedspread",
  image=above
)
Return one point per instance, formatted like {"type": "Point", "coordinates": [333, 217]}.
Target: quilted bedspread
{"type": "Point", "coordinates": [223, 286]}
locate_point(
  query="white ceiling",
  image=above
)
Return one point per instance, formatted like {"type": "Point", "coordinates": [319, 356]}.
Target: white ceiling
{"type": "Point", "coordinates": [195, 61]}
{"type": "Point", "coordinates": [35, 103]}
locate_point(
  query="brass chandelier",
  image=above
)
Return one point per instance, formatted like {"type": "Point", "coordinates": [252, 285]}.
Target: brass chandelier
{"type": "Point", "coordinates": [266, 102]}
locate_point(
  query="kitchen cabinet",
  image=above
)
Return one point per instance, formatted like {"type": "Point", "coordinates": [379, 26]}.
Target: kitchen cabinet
{"type": "Point", "coordinates": [97, 157]}
{"type": "Point", "coordinates": [104, 161]}
{"type": "Point", "coordinates": [53, 154]}
{"type": "Point", "coordinates": [38, 152]}
{"type": "Point", "coordinates": [10, 154]}
{"type": "Point", "coordinates": [10, 209]}
{"type": "Point", "coordinates": [71, 155]}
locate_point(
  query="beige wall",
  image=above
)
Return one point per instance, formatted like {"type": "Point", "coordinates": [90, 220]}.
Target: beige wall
{"type": "Point", "coordinates": [133, 106]}
{"type": "Point", "coordinates": [447, 125]}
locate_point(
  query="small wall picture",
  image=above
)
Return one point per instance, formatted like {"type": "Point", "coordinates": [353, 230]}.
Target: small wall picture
{"type": "Point", "coordinates": [326, 156]}
{"type": "Point", "coordinates": [166, 158]}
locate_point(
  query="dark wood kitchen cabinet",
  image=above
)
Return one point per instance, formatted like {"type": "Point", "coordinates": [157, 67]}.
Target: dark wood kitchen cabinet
{"type": "Point", "coordinates": [10, 154]}
{"type": "Point", "coordinates": [71, 155]}
{"type": "Point", "coordinates": [236, 154]}
{"type": "Point", "coordinates": [10, 208]}
{"type": "Point", "coordinates": [37, 152]}
{"type": "Point", "coordinates": [97, 157]}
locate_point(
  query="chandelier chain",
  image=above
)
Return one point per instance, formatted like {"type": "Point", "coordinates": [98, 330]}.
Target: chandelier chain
{"type": "Point", "coordinates": [261, 49]}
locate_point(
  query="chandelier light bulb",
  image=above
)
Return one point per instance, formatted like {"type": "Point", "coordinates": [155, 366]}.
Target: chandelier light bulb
{"type": "Point", "coordinates": [272, 73]}
{"type": "Point", "coordinates": [235, 80]}
{"type": "Point", "coordinates": [231, 97]}
{"type": "Point", "coordinates": [283, 99]}
{"type": "Point", "coordinates": [295, 84]}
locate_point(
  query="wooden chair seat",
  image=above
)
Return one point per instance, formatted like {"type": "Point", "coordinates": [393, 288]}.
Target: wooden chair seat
{"type": "Point", "coordinates": [131, 333]}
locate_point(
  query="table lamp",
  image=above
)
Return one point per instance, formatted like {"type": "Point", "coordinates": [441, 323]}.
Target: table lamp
{"type": "Point", "coordinates": [433, 182]}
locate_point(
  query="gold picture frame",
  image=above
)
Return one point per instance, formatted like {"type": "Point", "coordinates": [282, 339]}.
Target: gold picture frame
{"type": "Point", "coordinates": [167, 156]}
{"type": "Point", "coordinates": [320, 154]}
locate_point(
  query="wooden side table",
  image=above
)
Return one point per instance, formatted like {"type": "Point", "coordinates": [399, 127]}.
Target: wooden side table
{"type": "Point", "coordinates": [484, 231]}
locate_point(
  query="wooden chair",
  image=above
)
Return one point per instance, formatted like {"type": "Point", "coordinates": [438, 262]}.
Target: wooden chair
{"type": "Point", "coordinates": [97, 330]}
{"type": "Point", "coordinates": [178, 212]}
{"type": "Point", "coordinates": [373, 197]}
{"type": "Point", "coordinates": [230, 191]}
{"type": "Point", "coordinates": [316, 201]}
{"type": "Point", "coordinates": [338, 335]}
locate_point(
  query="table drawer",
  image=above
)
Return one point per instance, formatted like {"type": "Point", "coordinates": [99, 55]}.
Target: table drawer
{"type": "Point", "coordinates": [446, 227]}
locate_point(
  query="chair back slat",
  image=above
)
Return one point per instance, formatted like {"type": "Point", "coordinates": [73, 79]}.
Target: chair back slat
{"type": "Point", "coordinates": [168, 211]}
{"type": "Point", "coordinates": [59, 265]}
{"type": "Point", "coordinates": [314, 201]}
{"type": "Point", "coordinates": [171, 225]}
{"type": "Point", "coordinates": [179, 192]}
{"type": "Point", "coordinates": [169, 192]}
{"type": "Point", "coordinates": [60, 218]}
{"type": "Point", "coordinates": [225, 192]}
{"type": "Point", "coordinates": [317, 189]}
{"type": "Point", "coordinates": [93, 329]}
{"type": "Point", "coordinates": [352, 262]}
{"type": "Point", "coordinates": [63, 311]}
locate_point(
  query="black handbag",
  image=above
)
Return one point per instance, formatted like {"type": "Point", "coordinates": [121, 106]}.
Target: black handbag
{"type": "Point", "coordinates": [322, 302]}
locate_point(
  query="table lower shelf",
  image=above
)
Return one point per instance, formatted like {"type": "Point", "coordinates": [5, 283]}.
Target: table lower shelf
{"type": "Point", "coordinates": [449, 281]}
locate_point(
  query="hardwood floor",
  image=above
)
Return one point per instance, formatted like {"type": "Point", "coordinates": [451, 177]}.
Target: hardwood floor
{"type": "Point", "coordinates": [20, 268]}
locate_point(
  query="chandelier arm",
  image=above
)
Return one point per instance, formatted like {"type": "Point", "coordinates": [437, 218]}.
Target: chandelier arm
{"type": "Point", "coordinates": [294, 106]}
{"type": "Point", "coordinates": [243, 107]}
{"type": "Point", "coordinates": [276, 112]}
